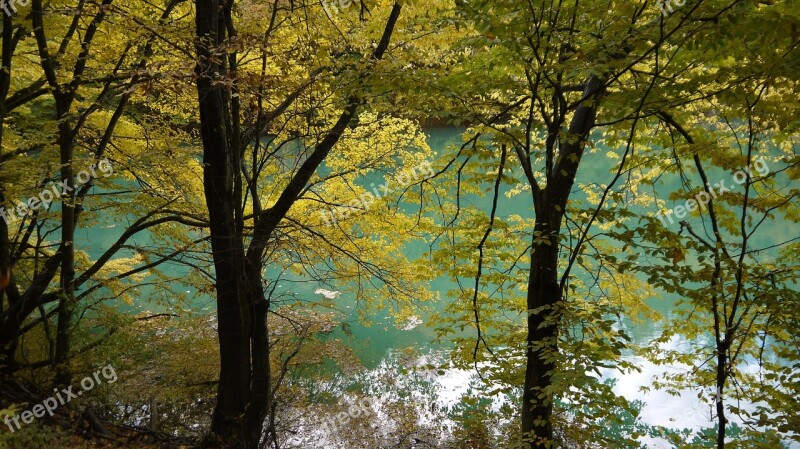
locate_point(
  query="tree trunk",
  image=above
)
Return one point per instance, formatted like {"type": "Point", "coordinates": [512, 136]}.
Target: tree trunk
{"type": "Point", "coordinates": [240, 407]}
{"type": "Point", "coordinates": [9, 327]}
{"type": "Point", "coordinates": [262, 374]}
{"type": "Point", "coordinates": [722, 367]}
{"type": "Point", "coordinates": [544, 300]}
{"type": "Point", "coordinates": [544, 297]}
{"type": "Point", "coordinates": [244, 396]}
{"type": "Point", "coordinates": [7, 334]}
{"type": "Point", "coordinates": [67, 282]}
{"type": "Point", "coordinates": [9, 340]}
{"type": "Point", "coordinates": [233, 315]}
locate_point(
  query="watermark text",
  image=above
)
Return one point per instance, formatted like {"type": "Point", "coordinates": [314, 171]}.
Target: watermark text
{"type": "Point", "coordinates": [62, 397]}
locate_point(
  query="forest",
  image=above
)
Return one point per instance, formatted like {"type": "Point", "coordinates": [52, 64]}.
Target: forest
{"type": "Point", "coordinates": [397, 224]}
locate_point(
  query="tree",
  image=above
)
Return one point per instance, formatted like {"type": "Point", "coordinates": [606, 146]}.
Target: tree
{"type": "Point", "coordinates": [82, 111]}
{"type": "Point", "coordinates": [564, 82]}
{"type": "Point", "coordinates": [244, 396]}
{"type": "Point", "coordinates": [723, 262]}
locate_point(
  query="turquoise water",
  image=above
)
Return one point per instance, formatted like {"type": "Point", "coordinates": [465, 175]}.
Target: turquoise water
{"type": "Point", "coordinates": [375, 343]}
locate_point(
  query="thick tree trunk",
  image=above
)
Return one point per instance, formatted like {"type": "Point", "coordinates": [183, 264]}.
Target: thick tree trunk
{"type": "Point", "coordinates": [10, 326]}
{"type": "Point", "coordinates": [233, 313]}
{"type": "Point", "coordinates": [544, 300]}
{"type": "Point", "coordinates": [7, 333]}
{"type": "Point", "coordinates": [67, 282]}
{"type": "Point", "coordinates": [243, 389]}
{"type": "Point", "coordinates": [544, 297]}
{"type": "Point", "coordinates": [262, 374]}
{"type": "Point", "coordinates": [244, 396]}
{"type": "Point", "coordinates": [9, 340]}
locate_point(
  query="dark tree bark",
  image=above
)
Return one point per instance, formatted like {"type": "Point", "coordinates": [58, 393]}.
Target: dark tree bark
{"type": "Point", "coordinates": [7, 340]}
{"type": "Point", "coordinates": [244, 395]}
{"type": "Point", "coordinates": [544, 292]}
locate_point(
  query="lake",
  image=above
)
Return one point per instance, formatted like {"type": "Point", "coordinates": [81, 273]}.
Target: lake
{"type": "Point", "coordinates": [378, 345]}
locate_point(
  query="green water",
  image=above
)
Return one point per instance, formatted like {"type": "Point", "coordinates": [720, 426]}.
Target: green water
{"type": "Point", "coordinates": [373, 344]}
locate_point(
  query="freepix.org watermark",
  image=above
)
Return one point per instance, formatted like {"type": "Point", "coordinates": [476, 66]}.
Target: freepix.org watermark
{"type": "Point", "coordinates": [702, 199]}
{"type": "Point", "coordinates": [666, 7]}
{"type": "Point", "coordinates": [62, 397]}
{"type": "Point", "coordinates": [333, 6]}
{"type": "Point", "coordinates": [334, 425]}
{"type": "Point", "coordinates": [405, 179]}
{"type": "Point", "coordinates": [55, 191]}
{"type": "Point", "coordinates": [10, 6]}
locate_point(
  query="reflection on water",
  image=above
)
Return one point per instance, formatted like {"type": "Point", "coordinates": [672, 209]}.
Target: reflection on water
{"type": "Point", "coordinates": [377, 345]}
